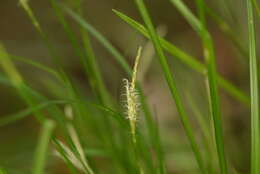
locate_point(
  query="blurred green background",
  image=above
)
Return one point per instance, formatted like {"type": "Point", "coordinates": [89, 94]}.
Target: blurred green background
{"type": "Point", "coordinates": [18, 141]}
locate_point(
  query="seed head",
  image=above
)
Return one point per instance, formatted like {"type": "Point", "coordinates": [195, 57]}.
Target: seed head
{"type": "Point", "coordinates": [132, 102]}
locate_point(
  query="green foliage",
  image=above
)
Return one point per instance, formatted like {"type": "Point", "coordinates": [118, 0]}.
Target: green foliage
{"type": "Point", "coordinates": [255, 117]}
{"type": "Point", "coordinates": [90, 132]}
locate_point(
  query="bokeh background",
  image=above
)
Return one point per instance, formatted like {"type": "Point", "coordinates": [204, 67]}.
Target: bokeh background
{"type": "Point", "coordinates": [18, 141]}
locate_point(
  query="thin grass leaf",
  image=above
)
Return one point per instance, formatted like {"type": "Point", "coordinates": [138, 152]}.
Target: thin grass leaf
{"type": "Point", "coordinates": [255, 117]}
{"type": "Point", "coordinates": [27, 112]}
{"type": "Point", "coordinates": [63, 154]}
{"type": "Point", "coordinates": [120, 59]}
{"type": "Point", "coordinates": [209, 54]}
{"type": "Point", "coordinates": [9, 68]}
{"type": "Point", "coordinates": [188, 60]}
{"type": "Point", "coordinates": [227, 30]}
{"type": "Point", "coordinates": [36, 65]}
{"type": "Point", "coordinates": [88, 59]}
{"type": "Point", "coordinates": [154, 134]}
{"type": "Point", "coordinates": [171, 82]}
{"type": "Point", "coordinates": [42, 147]}
{"type": "Point", "coordinates": [210, 155]}
{"type": "Point", "coordinates": [256, 6]}
{"type": "Point", "coordinates": [16, 78]}
{"type": "Point", "coordinates": [55, 58]}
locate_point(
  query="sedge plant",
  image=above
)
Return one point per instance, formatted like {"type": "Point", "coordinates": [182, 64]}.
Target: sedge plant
{"type": "Point", "coordinates": [91, 135]}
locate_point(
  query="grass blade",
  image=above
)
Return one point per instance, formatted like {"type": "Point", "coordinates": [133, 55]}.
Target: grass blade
{"type": "Point", "coordinates": [88, 59]}
{"type": "Point", "coordinates": [120, 59]}
{"type": "Point", "coordinates": [41, 151]}
{"type": "Point", "coordinates": [209, 54]}
{"type": "Point", "coordinates": [256, 6]}
{"type": "Point", "coordinates": [27, 112]}
{"type": "Point", "coordinates": [2, 171]}
{"type": "Point", "coordinates": [55, 58]}
{"type": "Point", "coordinates": [171, 82]}
{"type": "Point", "coordinates": [255, 128]}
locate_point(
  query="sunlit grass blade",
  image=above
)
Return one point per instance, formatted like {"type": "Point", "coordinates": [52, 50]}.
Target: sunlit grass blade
{"type": "Point", "coordinates": [255, 117]}
{"type": "Point", "coordinates": [42, 147]}
{"type": "Point", "coordinates": [188, 60]}
{"type": "Point", "coordinates": [209, 54]}
{"type": "Point", "coordinates": [171, 82]}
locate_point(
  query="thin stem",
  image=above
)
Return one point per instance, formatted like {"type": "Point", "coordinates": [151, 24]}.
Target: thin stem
{"type": "Point", "coordinates": [255, 128]}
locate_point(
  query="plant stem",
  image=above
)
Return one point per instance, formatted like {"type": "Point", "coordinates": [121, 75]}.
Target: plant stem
{"type": "Point", "coordinates": [255, 128]}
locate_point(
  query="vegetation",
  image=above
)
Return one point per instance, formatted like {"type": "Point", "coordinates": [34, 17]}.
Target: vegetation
{"type": "Point", "coordinates": [92, 133]}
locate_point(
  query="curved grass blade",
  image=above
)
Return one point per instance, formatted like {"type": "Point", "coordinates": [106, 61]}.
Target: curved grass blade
{"type": "Point", "coordinates": [27, 112]}
{"type": "Point", "coordinates": [255, 117]}
{"type": "Point", "coordinates": [120, 59]}
{"type": "Point", "coordinates": [36, 65]}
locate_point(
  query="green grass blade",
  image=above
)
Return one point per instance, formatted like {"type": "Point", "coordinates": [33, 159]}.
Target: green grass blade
{"type": "Point", "coordinates": [27, 112]}
{"type": "Point", "coordinates": [256, 6]}
{"type": "Point", "coordinates": [42, 147]}
{"type": "Point", "coordinates": [5, 80]}
{"type": "Point", "coordinates": [120, 59]}
{"type": "Point", "coordinates": [154, 134]}
{"type": "Point", "coordinates": [209, 54]}
{"type": "Point", "coordinates": [2, 171]}
{"type": "Point", "coordinates": [188, 60]}
{"type": "Point", "coordinates": [62, 152]}
{"type": "Point", "coordinates": [171, 82]}
{"type": "Point", "coordinates": [16, 79]}
{"type": "Point", "coordinates": [55, 58]}
{"type": "Point", "coordinates": [88, 59]}
{"type": "Point", "coordinates": [208, 140]}
{"type": "Point", "coordinates": [36, 65]}
{"type": "Point", "coordinates": [255, 119]}
{"type": "Point", "coordinates": [228, 31]}
{"type": "Point", "coordinates": [30, 96]}
{"type": "Point", "coordinates": [9, 68]}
